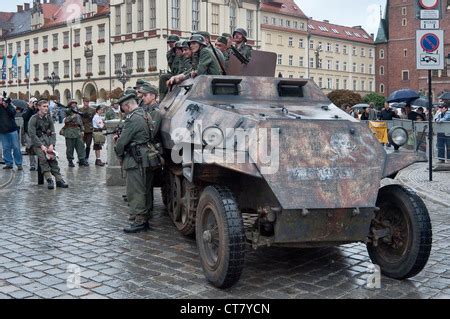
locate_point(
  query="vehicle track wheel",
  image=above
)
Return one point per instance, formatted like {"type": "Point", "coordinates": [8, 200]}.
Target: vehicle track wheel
{"type": "Point", "coordinates": [220, 236]}
{"type": "Point", "coordinates": [403, 215]}
{"type": "Point", "coordinates": [175, 197]}
{"type": "Point", "coordinates": [188, 208]}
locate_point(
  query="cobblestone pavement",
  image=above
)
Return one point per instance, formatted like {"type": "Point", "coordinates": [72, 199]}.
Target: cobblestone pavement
{"type": "Point", "coordinates": [43, 232]}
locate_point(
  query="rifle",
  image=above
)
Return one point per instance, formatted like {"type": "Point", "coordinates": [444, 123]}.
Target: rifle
{"type": "Point", "coordinates": [68, 108]}
{"type": "Point", "coordinates": [218, 60]}
{"type": "Point", "coordinates": [239, 56]}
{"type": "Point", "coordinates": [117, 131]}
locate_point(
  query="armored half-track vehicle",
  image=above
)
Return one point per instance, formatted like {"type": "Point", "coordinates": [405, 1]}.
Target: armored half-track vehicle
{"type": "Point", "coordinates": [271, 162]}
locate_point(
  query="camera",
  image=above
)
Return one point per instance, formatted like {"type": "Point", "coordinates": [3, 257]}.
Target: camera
{"type": "Point", "coordinates": [6, 98]}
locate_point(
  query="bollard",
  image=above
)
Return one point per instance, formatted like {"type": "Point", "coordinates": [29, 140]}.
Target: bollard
{"type": "Point", "coordinates": [113, 169]}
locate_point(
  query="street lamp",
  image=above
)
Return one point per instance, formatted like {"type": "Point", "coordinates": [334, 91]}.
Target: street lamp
{"type": "Point", "coordinates": [53, 80]}
{"type": "Point", "coordinates": [123, 75]}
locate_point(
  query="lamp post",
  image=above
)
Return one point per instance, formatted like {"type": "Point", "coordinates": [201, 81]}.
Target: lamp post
{"type": "Point", "coordinates": [53, 80]}
{"type": "Point", "coordinates": [123, 75]}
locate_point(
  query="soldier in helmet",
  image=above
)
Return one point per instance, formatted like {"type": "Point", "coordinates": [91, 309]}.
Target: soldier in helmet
{"type": "Point", "coordinates": [218, 53]}
{"type": "Point", "coordinates": [43, 137]}
{"type": "Point", "coordinates": [171, 55]}
{"type": "Point", "coordinates": [240, 38]}
{"type": "Point", "coordinates": [132, 147]}
{"type": "Point", "coordinates": [173, 62]}
{"type": "Point", "coordinates": [73, 132]}
{"type": "Point", "coordinates": [185, 66]}
{"type": "Point", "coordinates": [204, 61]}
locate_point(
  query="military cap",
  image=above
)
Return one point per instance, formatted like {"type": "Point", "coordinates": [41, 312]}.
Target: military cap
{"type": "Point", "coordinates": [125, 97]}
{"type": "Point", "coordinates": [227, 35]}
{"type": "Point", "coordinates": [71, 102]}
{"type": "Point", "coordinates": [173, 38]}
{"type": "Point", "coordinates": [205, 34]}
{"type": "Point", "coordinates": [148, 88]}
{"type": "Point", "coordinates": [140, 82]}
{"type": "Point", "coordinates": [129, 90]}
{"type": "Point", "coordinates": [42, 100]}
{"type": "Point", "coordinates": [197, 38]}
{"type": "Point", "coordinates": [222, 40]}
{"type": "Point", "coordinates": [241, 31]}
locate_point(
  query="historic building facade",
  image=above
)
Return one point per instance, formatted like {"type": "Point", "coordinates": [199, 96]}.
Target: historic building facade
{"type": "Point", "coordinates": [396, 50]}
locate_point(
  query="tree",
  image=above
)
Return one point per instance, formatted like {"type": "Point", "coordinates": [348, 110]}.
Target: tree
{"type": "Point", "coordinates": [375, 98]}
{"type": "Point", "coordinates": [116, 93]}
{"type": "Point", "coordinates": [341, 97]}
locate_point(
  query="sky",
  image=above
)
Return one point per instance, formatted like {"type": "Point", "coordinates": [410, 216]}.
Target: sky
{"type": "Point", "coordinates": [346, 12]}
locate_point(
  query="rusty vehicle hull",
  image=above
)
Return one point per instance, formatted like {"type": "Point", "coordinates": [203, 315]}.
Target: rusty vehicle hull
{"type": "Point", "coordinates": [306, 174]}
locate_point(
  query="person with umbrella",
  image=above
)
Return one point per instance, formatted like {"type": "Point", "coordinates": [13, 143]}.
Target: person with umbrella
{"type": "Point", "coordinates": [443, 141]}
{"type": "Point", "coordinates": [387, 114]}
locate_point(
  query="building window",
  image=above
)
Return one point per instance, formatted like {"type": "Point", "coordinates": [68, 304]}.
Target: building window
{"type": "Point", "coordinates": [102, 64]}
{"type": "Point", "coordinates": [405, 75]}
{"type": "Point", "coordinates": [363, 52]}
{"type": "Point", "coordinates": [290, 41]}
{"type": "Point", "coordinates": [66, 38]}
{"type": "Point", "coordinates": [129, 11]}
{"type": "Point", "coordinates": [344, 66]}
{"type": "Point", "coordinates": [268, 38]}
{"type": "Point", "coordinates": [152, 14]}
{"type": "Point", "coordinates": [330, 84]}
{"type": "Point", "coordinates": [311, 44]}
{"type": "Point", "coordinates": [295, 25]}
{"type": "Point", "coordinates": [300, 43]}
{"type": "Point", "coordinates": [195, 15]}
{"type": "Point", "coordinates": [19, 73]}
{"type": "Point", "coordinates": [329, 64]}
{"type": "Point", "coordinates": [382, 54]}
{"type": "Point", "coordinates": [301, 62]}
{"type": "Point", "coordinates": [88, 65]}
{"type": "Point", "coordinates": [118, 20]}
{"type": "Point", "coordinates": [152, 59]}
{"type": "Point", "coordinates": [344, 50]}
{"type": "Point", "coordinates": [404, 22]}
{"type": "Point", "coordinates": [117, 62]}
{"type": "Point", "coordinates": [337, 84]}
{"type": "Point", "coordinates": [280, 59]}
{"type": "Point", "coordinates": [363, 85]}
{"type": "Point", "coordinates": [77, 36]}
{"type": "Point", "coordinates": [355, 85]}
{"type": "Point", "coordinates": [101, 31]}
{"type": "Point", "coordinates": [370, 53]}
{"type": "Point", "coordinates": [140, 59]}
{"type": "Point", "coordinates": [77, 66]}
{"type": "Point", "coordinates": [274, 21]}
{"type": "Point", "coordinates": [36, 44]}
{"type": "Point", "coordinates": [404, 11]}
{"type": "Point", "coordinates": [363, 68]}
{"type": "Point", "coordinates": [56, 67]}
{"type": "Point", "coordinates": [140, 17]}
{"type": "Point", "coordinates": [10, 48]}
{"type": "Point", "coordinates": [288, 23]}
{"type": "Point", "coordinates": [381, 88]}
{"type": "Point", "coordinates": [281, 22]}
{"type": "Point", "coordinates": [215, 19]}
{"type": "Point", "coordinates": [337, 65]}
{"type": "Point", "coordinates": [329, 47]}
{"type": "Point", "coordinates": [311, 62]}
{"type": "Point", "coordinates": [338, 48]}
{"type": "Point", "coordinates": [371, 86]}
{"type": "Point", "coordinates": [36, 71]}
{"type": "Point", "coordinates": [370, 69]}
{"type": "Point", "coordinates": [129, 60]}
{"type": "Point", "coordinates": [88, 34]}
{"type": "Point", "coordinates": [280, 40]}
{"type": "Point", "coordinates": [321, 83]}
{"type": "Point", "coordinates": [266, 20]}
{"type": "Point", "coordinates": [27, 46]}
{"type": "Point", "coordinates": [291, 58]}
{"type": "Point", "coordinates": [250, 23]}
{"type": "Point", "coordinates": [345, 84]}
{"type": "Point", "coordinates": [19, 47]}
{"type": "Point", "coordinates": [354, 51]}
{"type": "Point", "coordinates": [233, 14]}
{"type": "Point", "coordinates": [66, 67]}
{"type": "Point", "coordinates": [354, 68]}
{"type": "Point", "coordinates": [45, 70]}
{"type": "Point", "coordinates": [175, 14]}
{"type": "Point", "coordinates": [405, 53]}
{"type": "Point", "coordinates": [381, 70]}
{"type": "Point", "coordinates": [45, 42]}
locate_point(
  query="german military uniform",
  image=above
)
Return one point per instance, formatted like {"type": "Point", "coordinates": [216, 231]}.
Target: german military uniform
{"type": "Point", "coordinates": [42, 132]}
{"type": "Point", "coordinates": [88, 115]}
{"type": "Point", "coordinates": [243, 48]}
{"type": "Point", "coordinates": [73, 129]}
{"type": "Point", "coordinates": [132, 147]}
{"type": "Point", "coordinates": [205, 61]}
{"type": "Point", "coordinates": [173, 62]}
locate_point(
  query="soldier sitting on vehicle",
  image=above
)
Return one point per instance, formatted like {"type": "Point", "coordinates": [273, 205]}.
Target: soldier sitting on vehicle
{"type": "Point", "coordinates": [240, 38]}
{"type": "Point", "coordinates": [222, 46]}
{"type": "Point", "coordinates": [42, 133]}
{"type": "Point", "coordinates": [172, 63]}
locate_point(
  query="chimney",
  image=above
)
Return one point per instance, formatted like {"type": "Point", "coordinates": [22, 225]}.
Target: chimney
{"type": "Point", "coordinates": [372, 35]}
{"type": "Point", "coordinates": [19, 8]}
{"type": "Point", "coordinates": [27, 6]}
{"type": "Point", "coordinates": [326, 21]}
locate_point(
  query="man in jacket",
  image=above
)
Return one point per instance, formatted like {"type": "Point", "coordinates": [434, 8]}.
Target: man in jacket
{"type": "Point", "coordinates": [9, 135]}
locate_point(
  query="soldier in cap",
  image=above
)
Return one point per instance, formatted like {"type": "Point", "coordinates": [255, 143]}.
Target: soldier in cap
{"type": "Point", "coordinates": [87, 116]}
{"type": "Point", "coordinates": [150, 105]}
{"type": "Point", "coordinates": [229, 38]}
{"type": "Point", "coordinates": [222, 46]}
{"type": "Point", "coordinates": [113, 112]}
{"type": "Point", "coordinates": [240, 38]}
{"type": "Point", "coordinates": [173, 61]}
{"type": "Point", "coordinates": [73, 132]}
{"type": "Point", "coordinates": [43, 137]}
{"type": "Point", "coordinates": [132, 147]}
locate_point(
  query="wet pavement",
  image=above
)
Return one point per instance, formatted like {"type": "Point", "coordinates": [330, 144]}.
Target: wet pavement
{"type": "Point", "coordinates": [46, 237]}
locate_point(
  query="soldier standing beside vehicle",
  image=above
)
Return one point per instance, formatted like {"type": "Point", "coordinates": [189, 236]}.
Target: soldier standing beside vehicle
{"type": "Point", "coordinates": [42, 133]}
{"type": "Point", "coordinates": [149, 96]}
{"type": "Point", "coordinates": [132, 147]}
{"type": "Point", "coordinates": [88, 115]}
{"type": "Point", "coordinates": [73, 132]}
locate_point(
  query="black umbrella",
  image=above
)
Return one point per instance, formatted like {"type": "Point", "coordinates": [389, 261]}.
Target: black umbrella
{"type": "Point", "coordinates": [20, 104]}
{"type": "Point", "coordinates": [404, 95]}
{"type": "Point", "coordinates": [421, 102]}
{"type": "Point", "coordinates": [445, 96]}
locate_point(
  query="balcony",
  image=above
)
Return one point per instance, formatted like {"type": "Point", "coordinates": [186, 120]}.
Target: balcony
{"type": "Point", "coordinates": [88, 51]}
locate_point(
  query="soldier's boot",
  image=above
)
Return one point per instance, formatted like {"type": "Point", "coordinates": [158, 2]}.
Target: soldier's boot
{"type": "Point", "coordinates": [136, 227]}
{"type": "Point", "coordinates": [50, 183]}
{"type": "Point", "coordinates": [71, 164]}
{"type": "Point", "coordinates": [98, 162]}
{"type": "Point", "coordinates": [83, 162]}
{"type": "Point", "coordinates": [61, 184]}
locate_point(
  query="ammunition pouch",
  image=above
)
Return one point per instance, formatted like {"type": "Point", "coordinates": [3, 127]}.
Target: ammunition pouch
{"type": "Point", "coordinates": [135, 152]}
{"type": "Point", "coordinates": [154, 156]}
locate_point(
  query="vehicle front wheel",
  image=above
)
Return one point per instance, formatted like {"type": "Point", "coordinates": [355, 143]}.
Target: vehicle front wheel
{"type": "Point", "coordinates": [220, 236]}
{"type": "Point", "coordinates": [401, 233]}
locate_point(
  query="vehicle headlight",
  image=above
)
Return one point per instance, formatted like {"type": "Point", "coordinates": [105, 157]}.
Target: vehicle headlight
{"type": "Point", "coordinates": [213, 136]}
{"type": "Point", "coordinates": [398, 137]}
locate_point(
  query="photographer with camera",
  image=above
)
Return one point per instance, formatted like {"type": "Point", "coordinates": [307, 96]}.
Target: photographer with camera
{"type": "Point", "coordinates": [9, 134]}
